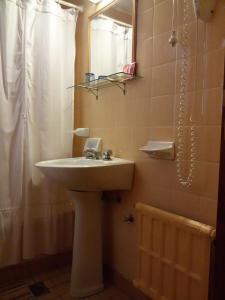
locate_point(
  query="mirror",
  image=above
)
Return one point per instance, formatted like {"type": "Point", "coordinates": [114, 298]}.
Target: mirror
{"type": "Point", "coordinates": [112, 38]}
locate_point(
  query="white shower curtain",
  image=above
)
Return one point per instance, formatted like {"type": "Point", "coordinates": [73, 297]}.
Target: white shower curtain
{"type": "Point", "coordinates": [111, 46]}
{"type": "Point", "coordinates": [37, 52]}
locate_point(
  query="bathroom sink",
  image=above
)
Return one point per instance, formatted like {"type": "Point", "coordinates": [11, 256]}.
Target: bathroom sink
{"type": "Point", "coordinates": [81, 174]}
{"type": "Point", "coordinates": [86, 179]}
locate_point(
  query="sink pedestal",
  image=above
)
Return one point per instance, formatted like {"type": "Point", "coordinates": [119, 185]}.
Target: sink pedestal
{"type": "Point", "coordinates": [86, 278]}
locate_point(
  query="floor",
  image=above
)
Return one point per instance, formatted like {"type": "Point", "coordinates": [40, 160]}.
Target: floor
{"type": "Point", "coordinates": [52, 285]}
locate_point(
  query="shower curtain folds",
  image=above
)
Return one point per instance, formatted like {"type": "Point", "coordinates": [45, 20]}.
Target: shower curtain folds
{"type": "Point", "coordinates": [37, 54]}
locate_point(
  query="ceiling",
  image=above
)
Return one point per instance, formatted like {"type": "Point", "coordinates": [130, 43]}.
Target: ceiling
{"type": "Point", "coordinates": [124, 6]}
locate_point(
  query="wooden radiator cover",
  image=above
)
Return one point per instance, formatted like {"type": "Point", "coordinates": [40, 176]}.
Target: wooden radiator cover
{"type": "Point", "coordinates": [173, 255]}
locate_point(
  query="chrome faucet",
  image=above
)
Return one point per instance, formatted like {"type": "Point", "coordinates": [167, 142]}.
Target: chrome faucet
{"type": "Point", "coordinates": [106, 155]}
{"type": "Point", "coordinates": [91, 154]}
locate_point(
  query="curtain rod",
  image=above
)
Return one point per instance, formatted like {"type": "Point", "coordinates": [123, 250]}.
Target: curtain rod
{"type": "Point", "coordinates": [80, 8]}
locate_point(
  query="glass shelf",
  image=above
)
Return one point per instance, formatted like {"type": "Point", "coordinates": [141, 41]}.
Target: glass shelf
{"type": "Point", "coordinates": [118, 79]}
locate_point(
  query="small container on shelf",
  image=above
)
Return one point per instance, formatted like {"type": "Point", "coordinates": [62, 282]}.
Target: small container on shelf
{"type": "Point", "coordinates": [130, 68]}
{"type": "Point", "coordinates": [89, 77]}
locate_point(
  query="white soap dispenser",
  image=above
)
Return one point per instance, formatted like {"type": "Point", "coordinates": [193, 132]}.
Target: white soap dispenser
{"type": "Point", "coordinates": [82, 132]}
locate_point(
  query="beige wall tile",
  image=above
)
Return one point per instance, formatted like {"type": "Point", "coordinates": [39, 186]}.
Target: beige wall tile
{"type": "Point", "coordinates": [163, 52]}
{"type": "Point", "coordinates": [144, 5]}
{"type": "Point", "coordinates": [160, 197]}
{"type": "Point", "coordinates": [208, 143]}
{"type": "Point", "coordinates": [214, 68]}
{"type": "Point", "coordinates": [163, 17]}
{"type": "Point", "coordinates": [147, 23]}
{"type": "Point", "coordinates": [147, 52]}
{"type": "Point", "coordinates": [161, 173]}
{"type": "Point", "coordinates": [124, 111]}
{"type": "Point", "coordinates": [163, 79]}
{"type": "Point", "coordinates": [162, 133]}
{"type": "Point", "coordinates": [141, 186]}
{"type": "Point", "coordinates": [141, 136]}
{"type": "Point", "coordinates": [142, 112]}
{"type": "Point", "coordinates": [123, 137]}
{"type": "Point", "coordinates": [101, 112]}
{"type": "Point", "coordinates": [208, 211]}
{"type": "Point", "coordinates": [212, 107]}
{"type": "Point", "coordinates": [185, 203]}
{"type": "Point", "coordinates": [162, 111]}
{"type": "Point", "coordinates": [140, 88]}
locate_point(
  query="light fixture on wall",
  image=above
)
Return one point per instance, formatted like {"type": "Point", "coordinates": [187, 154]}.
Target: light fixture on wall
{"type": "Point", "coordinates": [95, 1]}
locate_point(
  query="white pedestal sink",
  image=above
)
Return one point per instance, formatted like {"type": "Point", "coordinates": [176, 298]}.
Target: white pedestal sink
{"type": "Point", "coordinates": [86, 179]}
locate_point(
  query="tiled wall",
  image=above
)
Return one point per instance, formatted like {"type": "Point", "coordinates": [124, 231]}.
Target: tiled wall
{"type": "Point", "coordinates": [149, 111]}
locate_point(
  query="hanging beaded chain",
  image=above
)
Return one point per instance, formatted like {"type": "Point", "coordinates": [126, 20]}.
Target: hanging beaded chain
{"type": "Point", "coordinates": [185, 180]}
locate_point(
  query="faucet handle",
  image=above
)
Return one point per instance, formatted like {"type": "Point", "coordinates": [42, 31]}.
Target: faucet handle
{"type": "Point", "coordinates": [106, 155]}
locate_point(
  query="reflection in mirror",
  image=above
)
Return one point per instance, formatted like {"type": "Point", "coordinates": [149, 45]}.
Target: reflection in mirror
{"type": "Point", "coordinates": [111, 39]}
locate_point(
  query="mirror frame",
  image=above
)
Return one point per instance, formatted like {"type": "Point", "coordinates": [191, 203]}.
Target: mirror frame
{"type": "Point", "coordinates": [103, 7]}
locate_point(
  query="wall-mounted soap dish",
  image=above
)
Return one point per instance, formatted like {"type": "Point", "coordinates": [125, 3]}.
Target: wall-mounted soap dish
{"type": "Point", "coordinates": [160, 149]}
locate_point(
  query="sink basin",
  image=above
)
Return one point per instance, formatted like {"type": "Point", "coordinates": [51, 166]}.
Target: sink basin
{"type": "Point", "coordinates": [81, 174]}
{"type": "Point", "coordinates": [86, 179]}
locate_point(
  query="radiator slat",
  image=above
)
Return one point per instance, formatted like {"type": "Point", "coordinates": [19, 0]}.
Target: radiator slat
{"type": "Point", "coordinates": [173, 255]}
